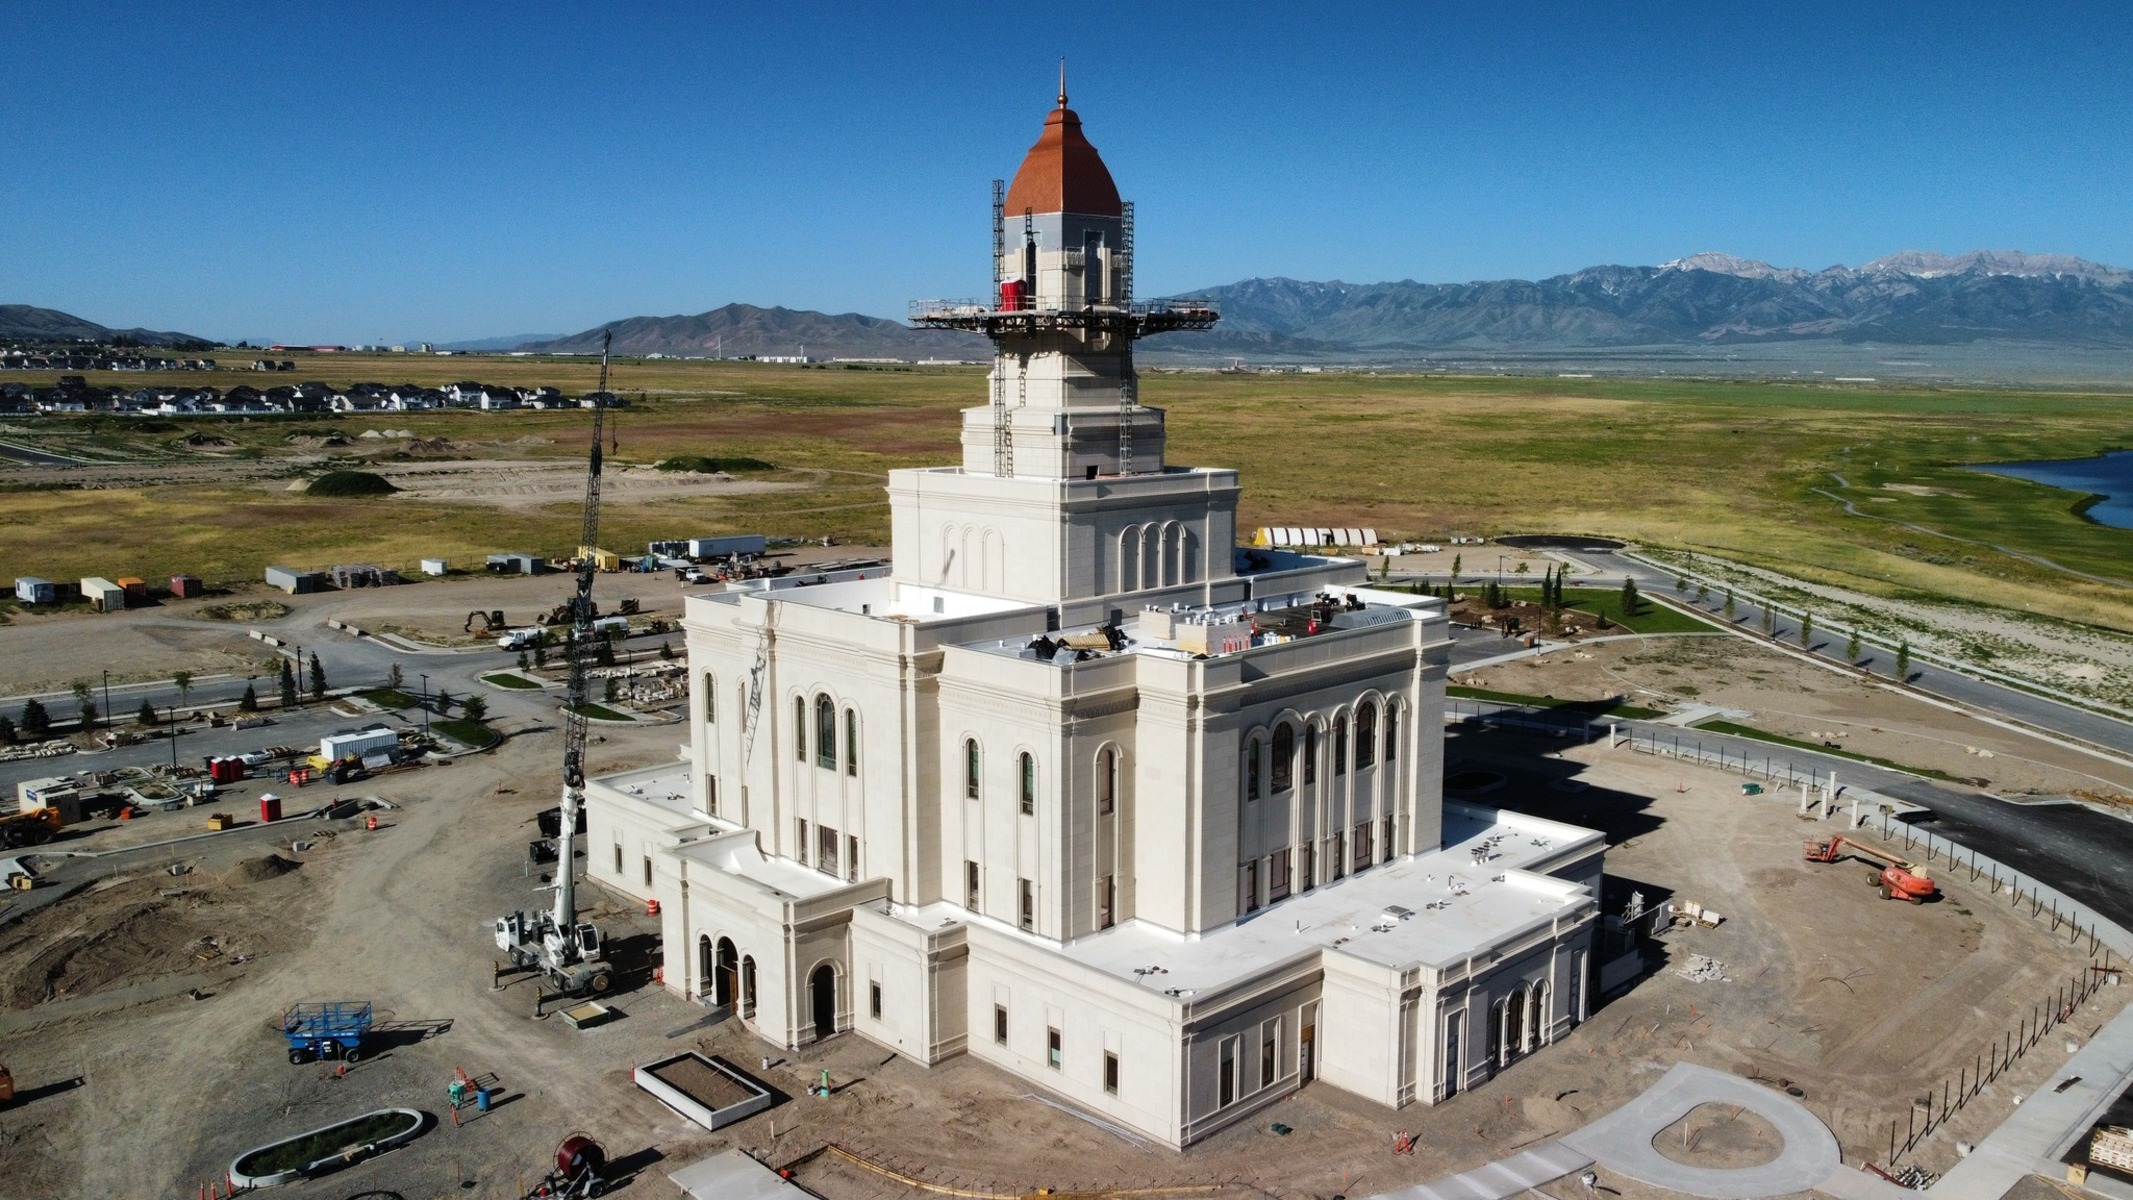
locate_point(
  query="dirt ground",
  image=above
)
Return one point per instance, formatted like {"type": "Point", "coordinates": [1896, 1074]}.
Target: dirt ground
{"type": "Point", "coordinates": [1859, 1003]}
{"type": "Point", "coordinates": [1795, 699]}
{"type": "Point", "coordinates": [524, 483]}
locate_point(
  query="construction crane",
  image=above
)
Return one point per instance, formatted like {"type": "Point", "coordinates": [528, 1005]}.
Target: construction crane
{"type": "Point", "coordinates": [1897, 878]}
{"type": "Point", "coordinates": [554, 942]}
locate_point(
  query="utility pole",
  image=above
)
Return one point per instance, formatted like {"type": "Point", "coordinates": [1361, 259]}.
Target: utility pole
{"type": "Point", "coordinates": [425, 706]}
{"type": "Point", "coordinates": [174, 739]}
{"type": "Point", "coordinates": [107, 699]}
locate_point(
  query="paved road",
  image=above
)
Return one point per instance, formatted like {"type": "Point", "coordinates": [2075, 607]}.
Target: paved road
{"type": "Point", "coordinates": [1999, 699]}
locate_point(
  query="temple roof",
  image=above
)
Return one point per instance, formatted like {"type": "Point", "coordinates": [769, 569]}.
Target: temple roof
{"type": "Point", "coordinates": [1063, 173]}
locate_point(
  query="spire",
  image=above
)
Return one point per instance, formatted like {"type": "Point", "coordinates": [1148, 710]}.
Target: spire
{"type": "Point", "coordinates": [1062, 81]}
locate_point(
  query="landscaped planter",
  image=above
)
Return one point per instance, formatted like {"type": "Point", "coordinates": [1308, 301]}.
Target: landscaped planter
{"type": "Point", "coordinates": [327, 1148]}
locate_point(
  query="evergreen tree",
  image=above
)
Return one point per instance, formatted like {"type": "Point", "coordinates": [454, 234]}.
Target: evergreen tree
{"type": "Point", "coordinates": [318, 679]}
{"type": "Point", "coordinates": [540, 654]}
{"type": "Point", "coordinates": [1630, 599]}
{"type": "Point", "coordinates": [88, 716]}
{"type": "Point", "coordinates": [613, 689]}
{"type": "Point", "coordinates": [1903, 662]}
{"type": "Point", "coordinates": [474, 709]}
{"type": "Point", "coordinates": [666, 652]}
{"type": "Point", "coordinates": [1807, 628]}
{"type": "Point", "coordinates": [396, 679]}
{"type": "Point", "coordinates": [147, 715]}
{"type": "Point", "coordinates": [1456, 560]}
{"type": "Point", "coordinates": [249, 702]}
{"type": "Point", "coordinates": [36, 722]}
{"type": "Point", "coordinates": [1851, 647]}
{"type": "Point", "coordinates": [444, 702]}
{"type": "Point", "coordinates": [7, 731]}
{"type": "Point", "coordinates": [522, 663]}
{"type": "Point", "coordinates": [288, 685]}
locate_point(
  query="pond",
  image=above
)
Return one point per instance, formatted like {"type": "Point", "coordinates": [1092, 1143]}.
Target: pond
{"type": "Point", "coordinates": [2107, 475]}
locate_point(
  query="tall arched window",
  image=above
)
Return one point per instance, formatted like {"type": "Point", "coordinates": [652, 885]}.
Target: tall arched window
{"type": "Point", "coordinates": [1107, 781]}
{"type": "Point", "coordinates": [1310, 754]}
{"type": "Point", "coordinates": [799, 728]}
{"type": "Point", "coordinates": [1251, 770]}
{"type": "Point", "coordinates": [1026, 783]}
{"type": "Point", "coordinates": [825, 732]}
{"type": "Point", "coordinates": [710, 698]}
{"type": "Point", "coordinates": [851, 741]}
{"type": "Point", "coordinates": [970, 768]}
{"type": "Point", "coordinates": [1366, 735]}
{"type": "Point", "coordinates": [1340, 744]}
{"type": "Point", "coordinates": [1392, 731]}
{"type": "Point", "coordinates": [1284, 757]}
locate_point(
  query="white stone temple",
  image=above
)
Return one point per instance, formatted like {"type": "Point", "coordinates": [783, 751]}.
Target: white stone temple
{"type": "Point", "coordinates": [1081, 787]}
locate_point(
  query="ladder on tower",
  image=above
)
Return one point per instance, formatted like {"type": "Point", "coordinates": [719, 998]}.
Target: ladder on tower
{"type": "Point", "coordinates": [1127, 381]}
{"type": "Point", "coordinates": [1003, 444]}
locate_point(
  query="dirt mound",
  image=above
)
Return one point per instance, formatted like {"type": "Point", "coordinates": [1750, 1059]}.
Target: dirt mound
{"type": "Point", "coordinates": [423, 446]}
{"type": "Point", "coordinates": [208, 441]}
{"type": "Point", "coordinates": [267, 866]}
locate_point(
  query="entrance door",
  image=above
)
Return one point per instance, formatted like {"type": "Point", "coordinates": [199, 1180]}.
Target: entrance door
{"type": "Point", "coordinates": [1307, 1054]}
{"type": "Point", "coordinates": [822, 991]}
{"type": "Point", "coordinates": [1452, 1025]}
{"type": "Point", "coordinates": [727, 976]}
{"type": "Point", "coordinates": [704, 971]}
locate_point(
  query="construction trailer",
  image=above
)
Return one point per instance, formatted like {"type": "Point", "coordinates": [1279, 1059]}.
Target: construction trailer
{"type": "Point", "coordinates": [296, 582]}
{"type": "Point", "coordinates": [185, 587]}
{"type": "Point", "coordinates": [746, 545]}
{"type": "Point", "coordinates": [102, 594]}
{"type": "Point", "coordinates": [357, 744]}
{"type": "Point", "coordinates": [31, 590]}
{"type": "Point", "coordinates": [436, 566]}
{"type": "Point", "coordinates": [514, 563]}
{"type": "Point", "coordinates": [61, 794]}
{"type": "Point", "coordinates": [136, 589]}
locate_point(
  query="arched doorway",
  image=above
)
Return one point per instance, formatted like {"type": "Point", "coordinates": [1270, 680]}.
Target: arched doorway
{"type": "Point", "coordinates": [727, 977]}
{"type": "Point", "coordinates": [703, 965]}
{"type": "Point", "coordinates": [1514, 1022]}
{"type": "Point", "coordinates": [822, 995]}
{"type": "Point", "coordinates": [1495, 1035]}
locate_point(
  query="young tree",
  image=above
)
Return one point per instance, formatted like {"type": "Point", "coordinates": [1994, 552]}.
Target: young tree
{"type": "Point", "coordinates": [523, 663]}
{"type": "Point", "coordinates": [1681, 583]}
{"type": "Point", "coordinates": [605, 654]}
{"type": "Point", "coordinates": [1703, 592]}
{"type": "Point", "coordinates": [7, 731]}
{"type": "Point", "coordinates": [1807, 629]}
{"type": "Point", "coordinates": [183, 681]}
{"type": "Point", "coordinates": [36, 722]}
{"type": "Point", "coordinates": [540, 654]}
{"type": "Point", "coordinates": [1630, 599]}
{"type": "Point", "coordinates": [88, 716]}
{"type": "Point", "coordinates": [1729, 605]}
{"type": "Point", "coordinates": [1456, 560]}
{"type": "Point", "coordinates": [1769, 621]}
{"type": "Point", "coordinates": [397, 679]}
{"type": "Point", "coordinates": [475, 709]}
{"type": "Point", "coordinates": [613, 689]}
{"type": "Point", "coordinates": [1523, 568]}
{"type": "Point", "coordinates": [444, 702]}
{"type": "Point", "coordinates": [666, 652]}
{"type": "Point", "coordinates": [1903, 663]}
{"type": "Point", "coordinates": [249, 702]}
{"type": "Point", "coordinates": [147, 715]}
{"type": "Point", "coordinates": [288, 685]}
{"type": "Point", "coordinates": [81, 697]}
{"type": "Point", "coordinates": [318, 679]}
{"type": "Point", "coordinates": [1851, 647]}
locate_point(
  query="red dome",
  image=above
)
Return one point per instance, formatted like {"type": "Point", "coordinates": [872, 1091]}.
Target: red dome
{"type": "Point", "coordinates": [1063, 173]}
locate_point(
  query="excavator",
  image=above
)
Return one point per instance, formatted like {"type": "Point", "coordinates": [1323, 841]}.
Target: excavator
{"type": "Point", "coordinates": [1897, 878]}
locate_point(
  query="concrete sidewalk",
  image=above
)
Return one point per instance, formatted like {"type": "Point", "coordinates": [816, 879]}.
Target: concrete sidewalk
{"type": "Point", "coordinates": [1621, 1141]}
{"type": "Point", "coordinates": [2048, 1123]}
{"type": "Point", "coordinates": [1502, 1179]}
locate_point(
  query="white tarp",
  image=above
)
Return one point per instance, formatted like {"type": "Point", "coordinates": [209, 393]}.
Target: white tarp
{"type": "Point", "coordinates": [732, 1175]}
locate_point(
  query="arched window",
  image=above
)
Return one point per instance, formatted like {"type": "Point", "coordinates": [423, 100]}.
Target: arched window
{"type": "Point", "coordinates": [1026, 787]}
{"type": "Point", "coordinates": [970, 768]}
{"type": "Point", "coordinates": [851, 741]}
{"type": "Point", "coordinates": [1392, 731]}
{"type": "Point", "coordinates": [1107, 781]}
{"type": "Point", "coordinates": [1251, 770]}
{"type": "Point", "coordinates": [1284, 757]}
{"type": "Point", "coordinates": [1310, 754]}
{"type": "Point", "coordinates": [825, 732]}
{"type": "Point", "coordinates": [1366, 735]}
{"type": "Point", "coordinates": [799, 728]}
{"type": "Point", "coordinates": [1129, 559]}
{"type": "Point", "coordinates": [1340, 744]}
{"type": "Point", "coordinates": [710, 698]}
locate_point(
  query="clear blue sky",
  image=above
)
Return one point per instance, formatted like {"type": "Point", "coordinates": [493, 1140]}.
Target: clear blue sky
{"type": "Point", "coordinates": [314, 172]}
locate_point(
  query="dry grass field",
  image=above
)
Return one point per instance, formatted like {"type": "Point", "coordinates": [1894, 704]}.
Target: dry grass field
{"type": "Point", "coordinates": [1753, 471]}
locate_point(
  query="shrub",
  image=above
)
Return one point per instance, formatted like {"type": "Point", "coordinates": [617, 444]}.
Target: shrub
{"type": "Point", "coordinates": [702, 465]}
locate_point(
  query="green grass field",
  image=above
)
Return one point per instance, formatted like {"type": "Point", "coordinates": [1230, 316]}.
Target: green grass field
{"type": "Point", "coordinates": [1757, 472]}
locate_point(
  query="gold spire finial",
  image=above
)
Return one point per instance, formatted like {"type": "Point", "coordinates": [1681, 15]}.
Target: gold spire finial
{"type": "Point", "coordinates": [1062, 81]}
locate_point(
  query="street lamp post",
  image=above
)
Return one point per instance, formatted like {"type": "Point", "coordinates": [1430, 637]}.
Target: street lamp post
{"type": "Point", "coordinates": [107, 699]}
{"type": "Point", "coordinates": [425, 706]}
{"type": "Point", "coordinates": [173, 739]}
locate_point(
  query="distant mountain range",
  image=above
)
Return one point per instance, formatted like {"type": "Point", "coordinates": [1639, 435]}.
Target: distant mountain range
{"type": "Point", "coordinates": [27, 323]}
{"type": "Point", "coordinates": [1912, 298]}
{"type": "Point", "coordinates": [740, 330]}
